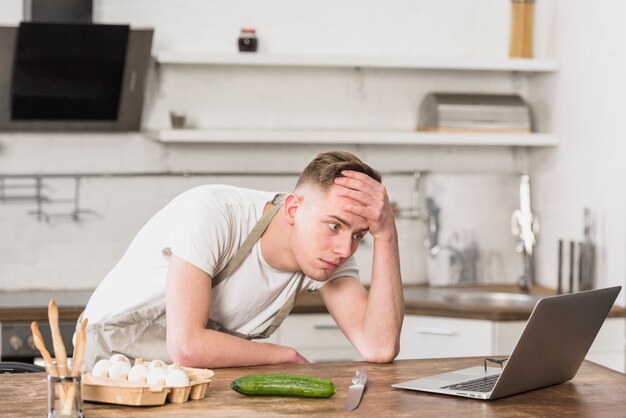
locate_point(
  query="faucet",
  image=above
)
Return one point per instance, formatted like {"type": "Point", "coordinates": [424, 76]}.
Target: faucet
{"type": "Point", "coordinates": [525, 225]}
{"type": "Point", "coordinates": [465, 260]}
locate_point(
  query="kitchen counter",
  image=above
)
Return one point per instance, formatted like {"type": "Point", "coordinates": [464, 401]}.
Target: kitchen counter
{"type": "Point", "coordinates": [32, 305]}
{"type": "Point", "coordinates": [591, 393]}
{"type": "Point", "coordinates": [434, 301]}
{"type": "Point", "coordinates": [419, 300]}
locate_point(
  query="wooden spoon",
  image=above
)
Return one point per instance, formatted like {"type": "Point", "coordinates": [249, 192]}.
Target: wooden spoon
{"type": "Point", "coordinates": [41, 346]}
{"type": "Point", "coordinates": [79, 350]}
{"type": "Point", "coordinates": [77, 363]}
{"type": "Point", "coordinates": [57, 339]}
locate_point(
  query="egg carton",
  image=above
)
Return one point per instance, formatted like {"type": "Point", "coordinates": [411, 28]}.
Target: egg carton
{"type": "Point", "coordinates": [123, 392]}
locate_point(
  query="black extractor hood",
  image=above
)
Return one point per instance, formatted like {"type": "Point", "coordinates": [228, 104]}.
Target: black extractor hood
{"type": "Point", "coordinates": [58, 72]}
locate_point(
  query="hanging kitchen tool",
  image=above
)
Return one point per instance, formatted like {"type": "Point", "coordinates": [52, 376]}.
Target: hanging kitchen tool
{"type": "Point", "coordinates": [587, 256]}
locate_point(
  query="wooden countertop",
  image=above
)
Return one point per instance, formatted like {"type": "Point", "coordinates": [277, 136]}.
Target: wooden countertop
{"type": "Point", "coordinates": [591, 393]}
{"type": "Point", "coordinates": [312, 303]}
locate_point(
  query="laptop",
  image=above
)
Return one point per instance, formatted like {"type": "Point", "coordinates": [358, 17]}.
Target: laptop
{"type": "Point", "coordinates": [552, 347]}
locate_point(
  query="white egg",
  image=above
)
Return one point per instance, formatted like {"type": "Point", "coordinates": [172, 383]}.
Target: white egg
{"type": "Point", "coordinates": [120, 357]}
{"type": "Point", "coordinates": [101, 369]}
{"type": "Point", "coordinates": [138, 374]}
{"type": "Point", "coordinates": [177, 377]}
{"type": "Point", "coordinates": [156, 364]}
{"type": "Point", "coordinates": [156, 376]}
{"type": "Point", "coordinates": [119, 370]}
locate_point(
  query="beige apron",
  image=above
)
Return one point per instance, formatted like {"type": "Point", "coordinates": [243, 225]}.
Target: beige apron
{"type": "Point", "coordinates": [142, 333]}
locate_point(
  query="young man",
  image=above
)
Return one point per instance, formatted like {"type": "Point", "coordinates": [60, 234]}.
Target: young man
{"type": "Point", "coordinates": [219, 267]}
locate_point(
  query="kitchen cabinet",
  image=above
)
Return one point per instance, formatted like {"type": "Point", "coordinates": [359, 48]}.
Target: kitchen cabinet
{"type": "Point", "coordinates": [317, 337]}
{"type": "Point", "coordinates": [434, 337]}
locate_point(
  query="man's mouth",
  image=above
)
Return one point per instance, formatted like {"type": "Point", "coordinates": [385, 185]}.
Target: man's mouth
{"type": "Point", "coordinates": [329, 265]}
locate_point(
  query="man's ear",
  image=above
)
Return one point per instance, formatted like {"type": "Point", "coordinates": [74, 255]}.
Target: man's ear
{"type": "Point", "coordinates": [292, 203]}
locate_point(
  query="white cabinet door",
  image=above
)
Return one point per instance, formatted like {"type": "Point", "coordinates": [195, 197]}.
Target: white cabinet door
{"type": "Point", "coordinates": [317, 337]}
{"type": "Point", "coordinates": [609, 347]}
{"type": "Point", "coordinates": [505, 336]}
{"type": "Point", "coordinates": [432, 337]}
{"type": "Point", "coordinates": [312, 330]}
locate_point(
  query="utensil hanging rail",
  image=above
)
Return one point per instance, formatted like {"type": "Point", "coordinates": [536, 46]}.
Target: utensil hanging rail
{"type": "Point", "coordinates": [11, 182]}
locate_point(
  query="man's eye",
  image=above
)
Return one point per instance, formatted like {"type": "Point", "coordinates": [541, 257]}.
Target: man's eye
{"type": "Point", "coordinates": [333, 227]}
{"type": "Point", "coordinates": [357, 236]}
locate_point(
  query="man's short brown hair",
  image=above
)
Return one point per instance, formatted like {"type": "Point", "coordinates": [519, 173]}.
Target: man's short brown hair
{"type": "Point", "coordinates": [327, 166]}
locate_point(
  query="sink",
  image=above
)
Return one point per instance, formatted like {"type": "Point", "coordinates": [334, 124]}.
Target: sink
{"type": "Point", "coordinates": [498, 299]}
{"type": "Point", "coordinates": [473, 297]}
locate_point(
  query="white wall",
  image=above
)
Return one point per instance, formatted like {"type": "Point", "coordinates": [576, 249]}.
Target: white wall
{"type": "Point", "coordinates": [77, 255]}
{"type": "Point", "coordinates": [587, 169]}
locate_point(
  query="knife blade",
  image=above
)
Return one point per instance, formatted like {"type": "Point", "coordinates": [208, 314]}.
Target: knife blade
{"type": "Point", "coordinates": [355, 391]}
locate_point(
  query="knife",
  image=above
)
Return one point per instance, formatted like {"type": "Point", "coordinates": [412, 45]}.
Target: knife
{"type": "Point", "coordinates": [355, 391]}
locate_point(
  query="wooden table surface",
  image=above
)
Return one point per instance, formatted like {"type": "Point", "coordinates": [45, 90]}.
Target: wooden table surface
{"type": "Point", "coordinates": [595, 391]}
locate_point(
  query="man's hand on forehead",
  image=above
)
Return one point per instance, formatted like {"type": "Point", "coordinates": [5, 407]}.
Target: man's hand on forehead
{"type": "Point", "coordinates": [371, 200]}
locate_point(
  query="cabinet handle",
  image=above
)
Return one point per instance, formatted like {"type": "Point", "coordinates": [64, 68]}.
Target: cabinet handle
{"type": "Point", "coordinates": [435, 331]}
{"type": "Point", "coordinates": [325, 326]}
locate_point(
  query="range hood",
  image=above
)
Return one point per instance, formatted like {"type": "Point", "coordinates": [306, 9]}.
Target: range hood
{"type": "Point", "coordinates": [63, 11]}
{"type": "Point", "coordinates": [61, 73]}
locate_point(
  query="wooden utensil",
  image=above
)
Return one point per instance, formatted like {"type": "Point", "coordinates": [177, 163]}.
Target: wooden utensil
{"type": "Point", "coordinates": [57, 338]}
{"type": "Point", "coordinates": [79, 350]}
{"type": "Point", "coordinates": [77, 363]}
{"type": "Point", "coordinates": [41, 346]}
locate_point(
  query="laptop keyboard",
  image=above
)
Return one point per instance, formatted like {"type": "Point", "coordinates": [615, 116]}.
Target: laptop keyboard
{"type": "Point", "coordinates": [482, 384]}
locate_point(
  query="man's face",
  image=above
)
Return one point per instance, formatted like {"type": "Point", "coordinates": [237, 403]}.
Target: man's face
{"type": "Point", "coordinates": [324, 236]}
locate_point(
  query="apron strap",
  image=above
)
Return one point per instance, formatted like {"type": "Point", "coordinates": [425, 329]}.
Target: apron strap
{"type": "Point", "coordinates": [238, 259]}
{"type": "Point", "coordinates": [280, 315]}
{"type": "Point", "coordinates": [251, 240]}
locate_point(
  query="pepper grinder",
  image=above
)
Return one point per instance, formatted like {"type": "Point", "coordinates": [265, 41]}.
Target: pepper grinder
{"type": "Point", "coordinates": [522, 12]}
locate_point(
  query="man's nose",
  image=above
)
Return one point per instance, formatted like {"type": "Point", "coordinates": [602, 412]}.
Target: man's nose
{"type": "Point", "coordinates": [343, 246]}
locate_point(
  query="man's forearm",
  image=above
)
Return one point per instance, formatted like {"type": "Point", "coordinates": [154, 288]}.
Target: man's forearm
{"type": "Point", "coordinates": [385, 306]}
{"type": "Point", "coordinates": [214, 349]}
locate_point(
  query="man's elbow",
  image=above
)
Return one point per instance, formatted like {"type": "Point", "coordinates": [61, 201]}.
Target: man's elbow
{"type": "Point", "coordinates": [182, 352]}
{"type": "Point", "coordinates": [383, 354]}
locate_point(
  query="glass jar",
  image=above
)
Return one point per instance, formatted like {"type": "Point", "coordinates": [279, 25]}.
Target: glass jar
{"type": "Point", "coordinates": [64, 398]}
{"type": "Point", "coordinates": [248, 41]}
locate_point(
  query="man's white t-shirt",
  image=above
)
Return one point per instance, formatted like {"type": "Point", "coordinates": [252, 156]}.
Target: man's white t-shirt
{"type": "Point", "coordinates": [204, 226]}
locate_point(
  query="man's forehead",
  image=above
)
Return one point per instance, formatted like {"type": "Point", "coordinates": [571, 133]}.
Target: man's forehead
{"type": "Point", "coordinates": [328, 204]}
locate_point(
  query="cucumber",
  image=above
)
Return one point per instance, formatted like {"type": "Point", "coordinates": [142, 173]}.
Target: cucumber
{"type": "Point", "coordinates": [283, 385]}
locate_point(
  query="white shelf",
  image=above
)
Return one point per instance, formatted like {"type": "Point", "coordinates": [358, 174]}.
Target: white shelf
{"type": "Point", "coordinates": [259, 59]}
{"type": "Point", "coordinates": [352, 137]}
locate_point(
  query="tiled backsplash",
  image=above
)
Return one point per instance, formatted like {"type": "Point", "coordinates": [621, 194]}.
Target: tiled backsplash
{"type": "Point", "coordinates": [66, 254]}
